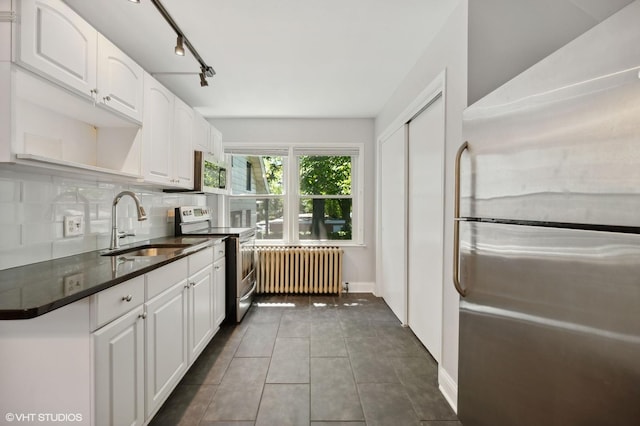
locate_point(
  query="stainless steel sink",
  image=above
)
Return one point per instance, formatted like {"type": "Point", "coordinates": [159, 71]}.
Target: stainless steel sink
{"type": "Point", "coordinates": [147, 250]}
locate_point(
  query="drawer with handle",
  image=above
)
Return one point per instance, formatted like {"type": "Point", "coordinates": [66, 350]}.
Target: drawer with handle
{"type": "Point", "coordinates": [113, 302]}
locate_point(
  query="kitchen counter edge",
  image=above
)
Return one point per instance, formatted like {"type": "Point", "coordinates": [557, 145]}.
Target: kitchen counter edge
{"type": "Point", "coordinates": [97, 257]}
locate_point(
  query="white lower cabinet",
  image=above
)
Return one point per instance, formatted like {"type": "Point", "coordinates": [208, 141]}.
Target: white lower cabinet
{"type": "Point", "coordinates": [141, 355]}
{"type": "Point", "coordinates": [166, 343]}
{"type": "Point", "coordinates": [201, 311]}
{"type": "Point", "coordinates": [219, 296]}
{"type": "Point", "coordinates": [119, 371]}
{"type": "Point", "coordinates": [114, 357]}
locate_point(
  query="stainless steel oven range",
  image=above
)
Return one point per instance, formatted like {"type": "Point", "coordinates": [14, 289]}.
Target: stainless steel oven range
{"type": "Point", "coordinates": [240, 251]}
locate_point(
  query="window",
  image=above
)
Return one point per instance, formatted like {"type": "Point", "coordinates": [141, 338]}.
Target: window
{"type": "Point", "coordinates": [297, 194]}
{"type": "Point", "coordinates": [325, 206]}
{"type": "Point", "coordinates": [257, 201]}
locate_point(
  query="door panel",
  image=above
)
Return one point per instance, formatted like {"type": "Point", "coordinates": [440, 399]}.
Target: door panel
{"type": "Point", "coordinates": [157, 134]}
{"type": "Point", "coordinates": [55, 41]}
{"type": "Point", "coordinates": [393, 222]}
{"type": "Point", "coordinates": [166, 341]}
{"type": "Point", "coordinates": [120, 80]}
{"type": "Point", "coordinates": [201, 311]}
{"type": "Point", "coordinates": [119, 366]}
{"type": "Point", "coordinates": [426, 225]}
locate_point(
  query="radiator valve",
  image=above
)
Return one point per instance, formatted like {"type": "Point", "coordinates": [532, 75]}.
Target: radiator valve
{"type": "Point", "coordinates": [345, 287]}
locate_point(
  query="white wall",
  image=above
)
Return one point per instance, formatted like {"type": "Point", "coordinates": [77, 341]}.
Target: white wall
{"type": "Point", "coordinates": [447, 51]}
{"type": "Point", "coordinates": [359, 262]}
{"type": "Point", "coordinates": [508, 36]}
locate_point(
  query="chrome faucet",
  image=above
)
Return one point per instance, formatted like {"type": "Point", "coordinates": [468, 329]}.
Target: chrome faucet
{"type": "Point", "coordinates": [115, 234]}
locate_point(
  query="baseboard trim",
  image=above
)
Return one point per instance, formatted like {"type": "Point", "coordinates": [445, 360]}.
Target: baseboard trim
{"type": "Point", "coordinates": [361, 287]}
{"type": "Point", "coordinates": [448, 387]}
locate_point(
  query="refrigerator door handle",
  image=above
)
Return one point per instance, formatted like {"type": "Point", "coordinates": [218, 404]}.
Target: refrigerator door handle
{"type": "Point", "coordinates": [456, 223]}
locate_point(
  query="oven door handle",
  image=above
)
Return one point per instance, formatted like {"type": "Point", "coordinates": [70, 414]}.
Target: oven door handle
{"type": "Point", "coordinates": [250, 292]}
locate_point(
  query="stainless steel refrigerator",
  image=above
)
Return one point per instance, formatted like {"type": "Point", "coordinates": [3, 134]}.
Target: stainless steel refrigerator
{"type": "Point", "coordinates": [547, 239]}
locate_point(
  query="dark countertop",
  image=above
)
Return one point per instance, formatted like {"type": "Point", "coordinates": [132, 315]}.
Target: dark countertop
{"type": "Point", "coordinates": [33, 290]}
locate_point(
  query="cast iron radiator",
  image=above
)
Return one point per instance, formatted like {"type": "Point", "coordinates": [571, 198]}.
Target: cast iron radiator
{"type": "Point", "coordinates": [299, 269]}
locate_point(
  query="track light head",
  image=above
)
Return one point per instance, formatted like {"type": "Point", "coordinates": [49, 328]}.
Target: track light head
{"type": "Point", "coordinates": [203, 80]}
{"type": "Point", "coordinates": [179, 50]}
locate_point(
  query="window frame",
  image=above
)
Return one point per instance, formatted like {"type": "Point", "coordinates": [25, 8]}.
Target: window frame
{"type": "Point", "coordinates": [291, 188]}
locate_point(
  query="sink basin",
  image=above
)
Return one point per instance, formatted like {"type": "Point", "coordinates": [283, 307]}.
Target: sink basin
{"type": "Point", "coordinates": [148, 250]}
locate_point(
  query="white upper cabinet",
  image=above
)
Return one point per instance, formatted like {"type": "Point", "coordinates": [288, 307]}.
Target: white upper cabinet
{"type": "Point", "coordinates": [167, 135]}
{"type": "Point", "coordinates": [120, 80]}
{"type": "Point", "coordinates": [183, 144]}
{"type": "Point", "coordinates": [55, 41]}
{"type": "Point", "coordinates": [216, 144]}
{"type": "Point", "coordinates": [207, 138]}
{"type": "Point", "coordinates": [58, 44]}
{"type": "Point", "coordinates": [157, 131]}
{"type": "Point", "coordinates": [201, 134]}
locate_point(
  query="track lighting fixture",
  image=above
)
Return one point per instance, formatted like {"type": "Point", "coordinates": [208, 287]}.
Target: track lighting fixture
{"type": "Point", "coordinates": [206, 70]}
{"type": "Point", "coordinates": [203, 80]}
{"type": "Point", "coordinates": [179, 50]}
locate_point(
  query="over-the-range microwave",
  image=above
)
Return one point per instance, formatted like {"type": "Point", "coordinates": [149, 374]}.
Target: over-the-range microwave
{"type": "Point", "coordinates": [209, 174]}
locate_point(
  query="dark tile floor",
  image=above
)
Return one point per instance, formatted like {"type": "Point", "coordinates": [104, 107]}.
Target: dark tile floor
{"type": "Point", "coordinates": [312, 361]}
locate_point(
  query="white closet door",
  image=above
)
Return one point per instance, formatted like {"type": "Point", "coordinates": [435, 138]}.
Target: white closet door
{"type": "Point", "coordinates": [426, 225]}
{"type": "Point", "coordinates": [393, 182]}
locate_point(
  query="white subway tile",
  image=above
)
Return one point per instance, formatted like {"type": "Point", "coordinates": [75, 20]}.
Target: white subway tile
{"type": "Point", "coordinates": [11, 236]}
{"type": "Point", "coordinates": [10, 190]}
{"type": "Point", "coordinates": [38, 192]}
{"type": "Point", "coordinates": [71, 246]}
{"type": "Point", "coordinates": [10, 213]}
{"type": "Point", "coordinates": [24, 255]}
{"type": "Point", "coordinates": [36, 233]}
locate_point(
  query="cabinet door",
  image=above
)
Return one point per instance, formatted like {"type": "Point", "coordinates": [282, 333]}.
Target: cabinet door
{"type": "Point", "coordinates": [183, 144]}
{"type": "Point", "coordinates": [56, 42]}
{"type": "Point", "coordinates": [216, 144]}
{"type": "Point", "coordinates": [157, 132]}
{"type": "Point", "coordinates": [201, 134]}
{"type": "Point", "coordinates": [119, 371]}
{"type": "Point", "coordinates": [120, 80]}
{"type": "Point", "coordinates": [201, 311]}
{"type": "Point", "coordinates": [166, 343]}
{"type": "Point", "coordinates": [219, 296]}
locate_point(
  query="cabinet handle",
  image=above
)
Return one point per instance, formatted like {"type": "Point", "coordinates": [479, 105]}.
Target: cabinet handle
{"type": "Point", "coordinates": [217, 268]}
{"type": "Point", "coordinates": [187, 286]}
{"type": "Point", "coordinates": [192, 284]}
{"type": "Point", "coordinates": [94, 95]}
{"type": "Point", "coordinates": [143, 315]}
{"type": "Point", "coordinates": [127, 298]}
{"type": "Point", "coordinates": [106, 98]}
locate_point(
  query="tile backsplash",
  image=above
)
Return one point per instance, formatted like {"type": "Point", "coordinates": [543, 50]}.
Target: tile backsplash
{"type": "Point", "coordinates": [33, 207]}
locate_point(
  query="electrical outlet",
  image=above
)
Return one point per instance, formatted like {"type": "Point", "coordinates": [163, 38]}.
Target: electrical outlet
{"type": "Point", "coordinates": [73, 283]}
{"type": "Point", "coordinates": [73, 226]}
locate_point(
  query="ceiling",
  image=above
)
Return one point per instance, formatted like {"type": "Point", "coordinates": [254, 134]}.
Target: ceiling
{"type": "Point", "coordinates": [277, 58]}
